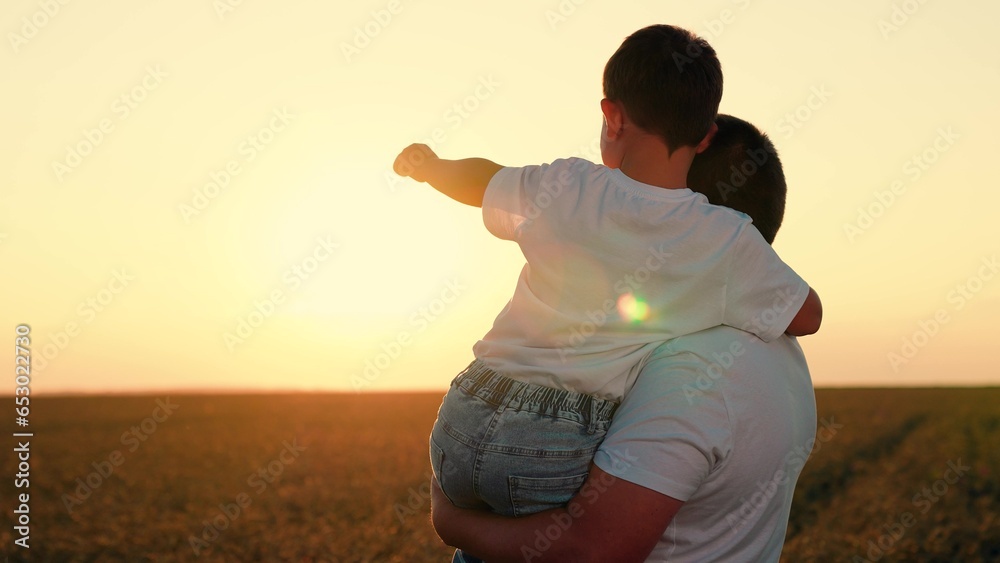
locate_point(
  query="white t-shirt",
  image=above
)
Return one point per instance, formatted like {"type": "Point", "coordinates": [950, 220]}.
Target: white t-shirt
{"type": "Point", "coordinates": [724, 422]}
{"type": "Point", "coordinates": [614, 267]}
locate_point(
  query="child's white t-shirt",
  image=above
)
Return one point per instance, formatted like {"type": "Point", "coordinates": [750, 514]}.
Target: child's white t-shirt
{"type": "Point", "coordinates": [615, 267]}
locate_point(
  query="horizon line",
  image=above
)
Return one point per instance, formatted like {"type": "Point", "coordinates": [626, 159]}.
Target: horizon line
{"type": "Point", "coordinates": [235, 391]}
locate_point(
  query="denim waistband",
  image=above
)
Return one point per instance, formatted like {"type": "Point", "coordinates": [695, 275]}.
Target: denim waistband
{"type": "Point", "coordinates": [497, 389]}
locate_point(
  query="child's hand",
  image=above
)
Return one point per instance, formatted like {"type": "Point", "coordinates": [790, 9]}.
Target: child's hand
{"type": "Point", "coordinates": [411, 161]}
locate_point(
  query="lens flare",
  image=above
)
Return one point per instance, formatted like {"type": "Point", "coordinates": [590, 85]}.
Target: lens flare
{"type": "Point", "coordinates": [633, 308]}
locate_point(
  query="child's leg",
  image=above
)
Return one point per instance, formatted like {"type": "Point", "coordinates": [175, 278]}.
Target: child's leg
{"type": "Point", "coordinates": [454, 459]}
{"type": "Point", "coordinates": [514, 448]}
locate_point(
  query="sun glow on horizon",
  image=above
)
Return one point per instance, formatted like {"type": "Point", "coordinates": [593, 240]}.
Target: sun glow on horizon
{"type": "Point", "coordinates": [319, 261]}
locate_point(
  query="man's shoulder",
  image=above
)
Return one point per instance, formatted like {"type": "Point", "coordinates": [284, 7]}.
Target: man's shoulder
{"type": "Point", "coordinates": [734, 352]}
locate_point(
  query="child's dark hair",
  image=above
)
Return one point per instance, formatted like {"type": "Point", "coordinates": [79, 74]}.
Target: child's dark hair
{"type": "Point", "coordinates": [669, 81]}
{"type": "Point", "coordinates": [741, 170]}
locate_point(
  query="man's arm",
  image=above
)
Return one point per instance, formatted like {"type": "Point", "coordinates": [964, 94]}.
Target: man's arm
{"type": "Point", "coordinates": [809, 317]}
{"type": "Point", "coordinates": [609, 519]}
{"type": "Point", "coordinates": [464, 181]}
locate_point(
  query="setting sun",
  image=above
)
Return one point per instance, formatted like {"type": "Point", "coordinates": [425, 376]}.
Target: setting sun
{"type": "Point", "coordinates": [241, 179]}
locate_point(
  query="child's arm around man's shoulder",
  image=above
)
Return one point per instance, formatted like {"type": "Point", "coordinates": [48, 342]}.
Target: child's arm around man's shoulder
{"type": "Point", "coordinates": [809, 317]}
{"type": "Point", "coordinates": [764, 295]}
{"type": "Point", "coordinates": [465, 181]}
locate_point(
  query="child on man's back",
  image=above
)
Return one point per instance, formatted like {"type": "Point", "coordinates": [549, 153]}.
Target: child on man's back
{"type": "Point", "coordinates": [623, 258]}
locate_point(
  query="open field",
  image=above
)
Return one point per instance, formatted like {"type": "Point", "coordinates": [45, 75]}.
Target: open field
{"type": "Point", "coordinates": [343, 478]}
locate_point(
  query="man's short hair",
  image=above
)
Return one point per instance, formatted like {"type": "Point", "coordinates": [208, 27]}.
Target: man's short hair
{"type": "Point", "coordinates": [741, 170]}
{"type": "Point", "coordinates": [669, 81]}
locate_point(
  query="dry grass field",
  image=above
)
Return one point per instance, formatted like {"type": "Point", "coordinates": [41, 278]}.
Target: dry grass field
{"type": "Point", "coordinates": [343, 478]}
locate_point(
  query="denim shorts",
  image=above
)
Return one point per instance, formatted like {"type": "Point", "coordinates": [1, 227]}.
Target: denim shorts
{"type": "Point", "coordinates": [514, 448]}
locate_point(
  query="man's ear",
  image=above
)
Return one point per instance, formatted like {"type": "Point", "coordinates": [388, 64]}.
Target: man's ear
{"type": "Point", "coordinates": [704, 144]}
{"type": "Point", "coordinates": [614, 118]}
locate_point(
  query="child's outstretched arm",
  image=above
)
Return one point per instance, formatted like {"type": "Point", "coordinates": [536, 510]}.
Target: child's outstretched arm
{"type": "Point", "coordinates": [464, 181]}
{"type": "Point", "coordinates": [809, 317]}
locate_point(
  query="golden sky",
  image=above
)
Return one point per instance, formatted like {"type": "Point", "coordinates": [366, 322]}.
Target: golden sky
{"type": "Point", "coordinates": [198, 194]}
